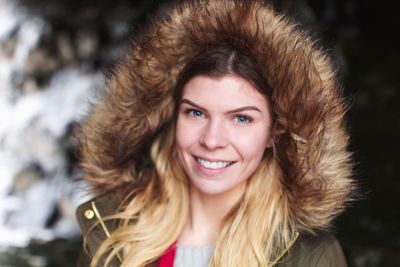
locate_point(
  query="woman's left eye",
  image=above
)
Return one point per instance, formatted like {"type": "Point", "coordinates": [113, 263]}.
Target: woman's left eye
{"type": "Point", "coordinates": [243, 119]}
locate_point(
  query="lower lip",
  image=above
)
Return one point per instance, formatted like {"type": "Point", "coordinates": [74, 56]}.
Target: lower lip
{"type": "Point", "coordinates": [209, 172]}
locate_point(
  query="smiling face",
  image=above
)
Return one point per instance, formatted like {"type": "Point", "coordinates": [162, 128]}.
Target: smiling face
{"type": "Point", "coordinates": [222, 131]}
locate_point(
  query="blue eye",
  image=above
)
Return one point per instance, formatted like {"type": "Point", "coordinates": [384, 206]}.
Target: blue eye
{"type": "Point", "coordinates": [194, 113]}
{"type": "Point", "coordinates": [243, 119]}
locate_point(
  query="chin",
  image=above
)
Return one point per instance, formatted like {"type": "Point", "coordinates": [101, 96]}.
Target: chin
{"type": "Point", "coordinates": [206, 189]}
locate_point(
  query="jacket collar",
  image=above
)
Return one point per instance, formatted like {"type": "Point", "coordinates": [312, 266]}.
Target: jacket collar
{"type": "Point", "coordinates": [92, 217]}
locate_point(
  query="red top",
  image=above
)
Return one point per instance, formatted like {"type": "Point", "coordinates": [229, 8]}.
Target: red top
{"type": "Point", "coordinates": [167, 259]}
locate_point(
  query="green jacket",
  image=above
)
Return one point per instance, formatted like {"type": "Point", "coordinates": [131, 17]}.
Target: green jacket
{"type": "Point", "coordinates": [322, 250]}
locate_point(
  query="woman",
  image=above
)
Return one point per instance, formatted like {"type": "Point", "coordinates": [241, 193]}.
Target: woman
{"type": "Point", "coordinates": [220, 142]}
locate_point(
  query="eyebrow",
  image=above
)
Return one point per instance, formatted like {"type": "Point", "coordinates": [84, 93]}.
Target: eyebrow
{"type": "Point", "coordinates": [187, 101]}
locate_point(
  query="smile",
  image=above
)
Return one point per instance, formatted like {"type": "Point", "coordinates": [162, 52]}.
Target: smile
{"type": "Point", "coordinates": [213, 164]}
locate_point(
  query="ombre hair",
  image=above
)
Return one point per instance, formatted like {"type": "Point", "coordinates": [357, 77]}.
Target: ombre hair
{"type": "Point", "coordinates": [127, 143]}
{"type": "Point", "coordinates": [255, 231]}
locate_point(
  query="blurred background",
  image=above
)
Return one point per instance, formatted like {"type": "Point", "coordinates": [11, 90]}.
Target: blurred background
{"type": "Point", "coordinates": [53, 57]}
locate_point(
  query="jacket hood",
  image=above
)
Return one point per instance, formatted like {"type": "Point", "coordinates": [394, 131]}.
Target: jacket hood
{"type": "Point", "coordinates": [306, 97]}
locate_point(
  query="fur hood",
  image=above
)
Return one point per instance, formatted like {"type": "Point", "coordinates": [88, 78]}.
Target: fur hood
{"type": "Point", "coordinates": [306, 98]}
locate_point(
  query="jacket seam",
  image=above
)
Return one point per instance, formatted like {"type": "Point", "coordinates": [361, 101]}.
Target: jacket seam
{"type": "Point", "coordinates": [102, 224]}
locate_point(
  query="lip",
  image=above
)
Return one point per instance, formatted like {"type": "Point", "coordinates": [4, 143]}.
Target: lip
{"type": "Point", "coordinates": [211, 172]}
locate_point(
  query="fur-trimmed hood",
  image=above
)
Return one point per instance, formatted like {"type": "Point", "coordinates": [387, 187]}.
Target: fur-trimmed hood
{"type": "Point", "coordinates": [306, 98]}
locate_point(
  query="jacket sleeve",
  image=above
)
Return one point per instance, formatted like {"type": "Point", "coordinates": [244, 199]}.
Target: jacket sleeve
{"type": "Point", "coordinates": [322, 250]}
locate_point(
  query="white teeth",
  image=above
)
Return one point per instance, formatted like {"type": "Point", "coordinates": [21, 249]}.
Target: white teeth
{"type": "Point", "coordinates": [214, 164]}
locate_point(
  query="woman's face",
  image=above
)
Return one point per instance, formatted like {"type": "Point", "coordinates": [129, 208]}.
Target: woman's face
{"type": "Point", "coordinates": [223, 129]}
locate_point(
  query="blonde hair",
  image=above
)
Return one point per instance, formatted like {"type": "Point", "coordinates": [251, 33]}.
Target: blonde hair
{"type": "Point", "coordinates": [300, 185]}
{"type": "Point", "coordinates": [165, 200]}
{"type": "Point", "coordinates": [265, 211]}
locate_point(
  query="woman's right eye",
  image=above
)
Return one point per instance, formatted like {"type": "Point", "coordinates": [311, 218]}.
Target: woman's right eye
{"type": "Point", "coordinates": [194, 113]}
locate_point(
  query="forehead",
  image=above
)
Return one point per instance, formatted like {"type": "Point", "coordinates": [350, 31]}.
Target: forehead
{"type": "Point", "coordinates": [226, 91]}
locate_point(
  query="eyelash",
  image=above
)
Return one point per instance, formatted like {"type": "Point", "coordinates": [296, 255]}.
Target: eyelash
{"type": "Point", "coordinates": [247, 118]}
{"type": "Point", "coordinates": [191, 112]}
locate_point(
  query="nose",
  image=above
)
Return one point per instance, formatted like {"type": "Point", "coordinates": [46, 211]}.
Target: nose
{"type": "Point", "coordinates": [213, 136]}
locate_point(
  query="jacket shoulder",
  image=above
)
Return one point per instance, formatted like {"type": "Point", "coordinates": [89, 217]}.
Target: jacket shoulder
{"type": "Point", "coordinates": [95, 227]}
{"type": "Point", "coordinates": [321, 250]}
{"type": "Point", "coordinates": [95, 210]}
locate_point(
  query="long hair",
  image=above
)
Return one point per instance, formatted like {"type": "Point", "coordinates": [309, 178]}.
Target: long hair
{"type": "Point", "coordinates": [155, 217]}
{"type": "Point", "coordinates": [128, 140]}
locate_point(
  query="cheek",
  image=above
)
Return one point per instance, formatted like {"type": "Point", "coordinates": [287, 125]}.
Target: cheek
{"type": "Point", "coordinates": [252, 145]}
{"type": "Point", "coordinates": [180, 138]}
{"type": "Point", "coordinates": [184, 134]}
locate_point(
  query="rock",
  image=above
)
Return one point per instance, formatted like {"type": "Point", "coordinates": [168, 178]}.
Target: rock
{"type": "Point", "coordinates": [26, 178]}
{"type": "Point", "coordinates": [87, 43]}
{"type": "Point", "coordinates": [39, 61]}
{"type": "Point", "coordinates": [65, 48]}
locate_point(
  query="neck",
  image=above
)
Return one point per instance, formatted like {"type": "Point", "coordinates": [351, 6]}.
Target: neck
{"type": "Point", "coordinates": [206, 215]}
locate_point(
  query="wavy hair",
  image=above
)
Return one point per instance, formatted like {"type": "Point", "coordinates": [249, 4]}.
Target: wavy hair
{"type": "Point", "coordinates": [128, 140]}
{"type": "Point", "coordinates": [165, 200]}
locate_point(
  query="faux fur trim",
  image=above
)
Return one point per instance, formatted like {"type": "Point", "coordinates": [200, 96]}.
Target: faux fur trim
{"type": "Point", "coordinates": [306, 99]}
